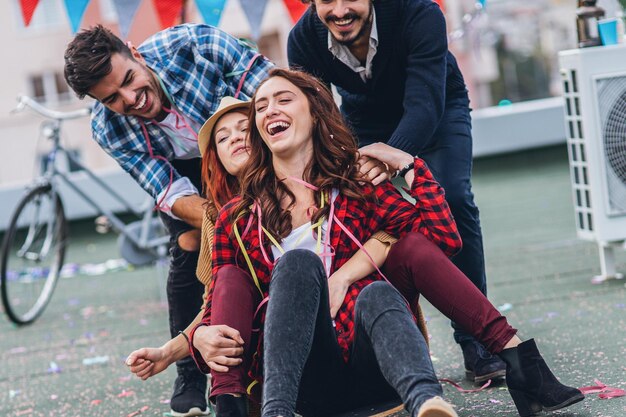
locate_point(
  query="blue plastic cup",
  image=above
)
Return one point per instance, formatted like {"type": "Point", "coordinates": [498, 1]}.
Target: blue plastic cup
{"type": "Point", "coordinates": [608, 31]}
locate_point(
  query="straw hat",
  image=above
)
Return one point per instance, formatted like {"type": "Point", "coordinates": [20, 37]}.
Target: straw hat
{"type": "Point", "coordinates": [206, 131]}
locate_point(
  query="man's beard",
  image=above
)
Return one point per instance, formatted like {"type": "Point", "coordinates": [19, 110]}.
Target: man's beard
{"type": "Point", "coordinates": [367, 25]}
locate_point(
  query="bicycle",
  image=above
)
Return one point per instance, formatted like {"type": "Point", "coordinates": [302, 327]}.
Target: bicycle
{"type": "Point", "coordinates": [34, 244]}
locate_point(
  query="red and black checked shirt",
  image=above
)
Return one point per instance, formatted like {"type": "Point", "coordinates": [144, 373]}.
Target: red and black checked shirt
{"type": "Point", "coordinates": [391, 213]}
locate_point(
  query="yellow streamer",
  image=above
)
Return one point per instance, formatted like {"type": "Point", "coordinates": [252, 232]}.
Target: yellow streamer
{"type": "Point", "coordinates": [247, 258]}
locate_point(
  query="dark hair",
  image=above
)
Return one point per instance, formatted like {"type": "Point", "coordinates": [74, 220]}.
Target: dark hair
{"type": "Point", "coordinates": [311, 3]}
{"type": "Point", "coordinates": [333, 165]}
{"type": "Point", "coordinates": [88, 58]}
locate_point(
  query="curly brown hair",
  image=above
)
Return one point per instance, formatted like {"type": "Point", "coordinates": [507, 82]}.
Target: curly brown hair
{"type": "Point", "coordinates": [333, 166]}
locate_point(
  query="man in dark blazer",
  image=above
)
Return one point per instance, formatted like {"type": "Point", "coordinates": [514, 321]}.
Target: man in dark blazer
{"type": "Point", "coordinates": [399, 84]}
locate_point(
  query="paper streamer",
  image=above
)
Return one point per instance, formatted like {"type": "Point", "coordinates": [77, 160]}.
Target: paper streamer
{"type": "Point", "coordinates": [168, 11]}
{"type": "Point", "coordinates": [75, 12]}
{"type": "Point", "coordinates": [126, 10]}
{"type": "Point", "coordinates": [28, 8]}
{"type": "Point", "coordinates": [463, 390]}
{"type": "Point", "coordinates": [604, 392]}
{"type": "Point", "coordinates": [296, 9]}
{"type": "Point", "coordinates": [211, 10]}
{"type": "Point", "coordinates": [254, 10]}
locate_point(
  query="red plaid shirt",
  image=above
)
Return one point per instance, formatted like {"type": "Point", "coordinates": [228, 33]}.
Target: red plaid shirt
{"type": "Point", "coordinates": [391, 213]}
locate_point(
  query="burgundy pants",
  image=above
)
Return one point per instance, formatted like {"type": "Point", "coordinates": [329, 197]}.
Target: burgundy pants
{"type": "Point", "coordinates": [414, 266]}
{"type": "Point", "coordinates": [417, 266]}
{"type": "Point", "coordinates": [235, 300]}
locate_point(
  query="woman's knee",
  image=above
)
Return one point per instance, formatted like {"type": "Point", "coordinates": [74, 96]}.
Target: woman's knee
{"type": "Point", "coordinates": [414, 247]}
{"type": "Point", "coordinates": [232, 281]}
{"type": "Point", "coordinates": [378, 297]}
{"type": "Point", "coordinates": [299, 266]}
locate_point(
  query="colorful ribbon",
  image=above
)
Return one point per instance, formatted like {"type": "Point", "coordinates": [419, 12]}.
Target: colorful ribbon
{"type": "Point", "coordinates": [604, 391]}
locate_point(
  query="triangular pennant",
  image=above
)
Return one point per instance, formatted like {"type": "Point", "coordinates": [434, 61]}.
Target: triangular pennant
{"type": "Point", "coordinates": [296, 9]}
{"type": "Point", "coordinates": [28, 8]}
{"type": "Point", "coordinates": [211, 10]}
{"type": "Point", "coordinates": [168, 11]}
{"type": "Point", "coordinates": [254, 10]}
{"type": "Point", "coordinates": [126, 10]}
{"type": "Point", "coordinates": [75, 12]}
{"type": "Point", "coordinates": [440, 3]}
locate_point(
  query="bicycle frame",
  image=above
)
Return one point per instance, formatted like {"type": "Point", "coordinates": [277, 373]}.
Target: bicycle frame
{"type": "Point", "coordinates": [51, 130]}
{"type": "Point", "coordinates": [24, 252]}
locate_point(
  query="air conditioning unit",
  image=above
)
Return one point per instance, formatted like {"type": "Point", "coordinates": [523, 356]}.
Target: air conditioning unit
{"type": "Point", "coordinates": [594, 86]}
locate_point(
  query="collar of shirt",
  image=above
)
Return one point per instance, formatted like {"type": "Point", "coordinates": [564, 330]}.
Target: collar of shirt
{"type": "Point", "coordinates": [184, 141]}
{"type": "Point", "coordinates": [343, 53]}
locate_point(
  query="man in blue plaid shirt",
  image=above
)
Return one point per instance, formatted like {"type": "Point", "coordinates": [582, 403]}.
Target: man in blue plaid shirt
{"type": "Point", "coordinates": [151, 102]}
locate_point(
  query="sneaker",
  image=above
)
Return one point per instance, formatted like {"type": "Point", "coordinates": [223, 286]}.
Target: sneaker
{"type": "Point", "coordinates": [436, 407]}
{"type": "Point", "coordinates": [481, 365]}
{"type": "Point", "coordinates": [190, 393]}
{"type": "Point", "coordinates": [227, 405]}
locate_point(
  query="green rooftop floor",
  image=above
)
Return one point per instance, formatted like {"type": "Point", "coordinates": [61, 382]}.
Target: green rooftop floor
{"type": "Point", "coordinates": [70, 361]}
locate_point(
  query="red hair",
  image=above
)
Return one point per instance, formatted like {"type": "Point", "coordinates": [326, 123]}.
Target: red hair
{"type": "Point", "coordinates": [218, 185]}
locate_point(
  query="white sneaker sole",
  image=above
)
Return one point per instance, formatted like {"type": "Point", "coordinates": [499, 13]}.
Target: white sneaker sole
{"type": "Point", "coordinates": [193, 412]}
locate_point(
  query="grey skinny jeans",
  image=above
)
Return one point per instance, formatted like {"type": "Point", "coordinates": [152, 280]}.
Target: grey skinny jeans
{"type": "Point", "coordinates": [304, 369]}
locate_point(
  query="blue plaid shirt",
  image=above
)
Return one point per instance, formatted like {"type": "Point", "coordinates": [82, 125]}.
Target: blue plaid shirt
{"type": "Point", "coordinates": [198, 64]}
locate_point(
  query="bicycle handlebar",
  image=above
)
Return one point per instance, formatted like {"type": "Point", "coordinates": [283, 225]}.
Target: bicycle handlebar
{"type": "Point", "coordinates": [25, 101]}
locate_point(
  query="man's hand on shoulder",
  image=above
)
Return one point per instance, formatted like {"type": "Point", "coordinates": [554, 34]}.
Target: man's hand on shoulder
{"type": "Point", "coordinates": [393, 157]}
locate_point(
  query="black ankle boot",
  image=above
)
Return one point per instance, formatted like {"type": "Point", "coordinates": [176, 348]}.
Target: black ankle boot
{"type": "Point", "coordinates": [531, 383]}
{"type": "Point", "coordinates": [227, 405]}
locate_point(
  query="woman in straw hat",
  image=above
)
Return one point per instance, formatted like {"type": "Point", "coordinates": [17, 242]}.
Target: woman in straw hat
{"type": "Point", "coordinates": [223, 347]}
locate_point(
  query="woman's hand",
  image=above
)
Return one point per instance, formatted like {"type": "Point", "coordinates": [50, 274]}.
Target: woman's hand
{"type": "Point", "coordinates": [392, 157]}
{"type": "Point", "coordinates": [337, 289]}
{"type": "Point", "coordinates": [147, 362]}
{"type": "Point", "coordinates": [221, 346]}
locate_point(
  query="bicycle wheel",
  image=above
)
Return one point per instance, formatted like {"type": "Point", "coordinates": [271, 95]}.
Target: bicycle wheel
{"type": "Point", "coordinates": [32, 254]}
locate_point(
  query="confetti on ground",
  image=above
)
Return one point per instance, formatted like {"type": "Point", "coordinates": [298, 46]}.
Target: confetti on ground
{"type": "Point", "coordinates": [14, 393]}
{"type": "Point", "coordinates": [16, 350]}
{"type": "Point", "coordinates": [24, 412]}
{"type": "Point", "coordinates": [54, 368]}
{"type": "Point", "coordinates": [604, 391]}
{"type": "Point", "coordinates": [97, 360]}
{"type": "Point", "coordinates": [96, 402]}
{"type": "Point", "coordinates": [140, 411]}
{"type": "Point", "coordinates": [505, 307]}
{"type": "Point", "coordinates": [125, 394]}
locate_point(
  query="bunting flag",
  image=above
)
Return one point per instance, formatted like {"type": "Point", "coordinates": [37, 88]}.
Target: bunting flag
{"type": "Point", "coordinates": [254, 10]}
{"type": "Point", "coordinates": [75, 12]}
{"type": "Point", "coordinates": [296, 9]}
{"type": "Point", "coordinates": [211, 10]}
{"type": "Point", "coordinates": [126, 10]}
{"type": "Point", "coordinates": [28, 8]}
{"type": "Point", "coordinates": [440, 3]}
{"type": "Point", "coordinates": [168, 11]}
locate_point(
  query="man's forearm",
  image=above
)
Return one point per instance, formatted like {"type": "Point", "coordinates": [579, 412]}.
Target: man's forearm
{"type": "Point", "coordinates": [190, 209]}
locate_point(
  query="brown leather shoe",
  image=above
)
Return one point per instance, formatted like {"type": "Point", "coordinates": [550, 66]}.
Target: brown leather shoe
{"type": "Point", "coordinates": [436, 407]}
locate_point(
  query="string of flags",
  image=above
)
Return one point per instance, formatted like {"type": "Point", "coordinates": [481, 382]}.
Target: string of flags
{"type": "Point", "coordinates": [168, 12]}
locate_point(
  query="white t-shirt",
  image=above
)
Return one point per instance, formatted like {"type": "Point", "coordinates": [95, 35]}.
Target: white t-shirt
{"type": "Point", "coordinates": [305, 237]}
{"type": "Point", "coordinates": [185, 144]}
